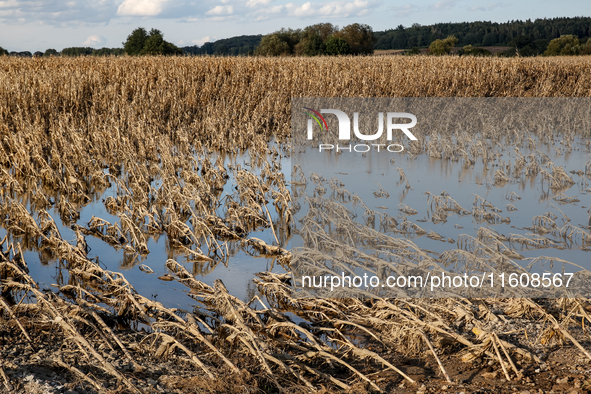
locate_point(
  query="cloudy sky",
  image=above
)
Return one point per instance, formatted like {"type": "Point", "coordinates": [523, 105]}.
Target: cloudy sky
{"type": "Point", "coordinates": [40, 24]}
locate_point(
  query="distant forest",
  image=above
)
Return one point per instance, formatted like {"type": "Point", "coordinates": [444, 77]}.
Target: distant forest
{"type": "Point", "coordinates": [513, 33]}
{"type": "Point", "coordinates": [235, 46]}
{"type": "Point", "coordinates": [531, 38]}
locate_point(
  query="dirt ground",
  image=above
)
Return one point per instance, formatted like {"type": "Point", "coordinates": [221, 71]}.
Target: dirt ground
{"type": "Point", "coordinates": [33, 368]}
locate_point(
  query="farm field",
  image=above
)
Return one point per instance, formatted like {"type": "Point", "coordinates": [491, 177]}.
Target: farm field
{"type": "Point", "coordinates": [146, 225]}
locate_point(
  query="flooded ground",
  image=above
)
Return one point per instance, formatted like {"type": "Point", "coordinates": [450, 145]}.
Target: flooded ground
{"type": "Point", "coordinates": [236, 270]}
{"type": "Point", "coordinates": [366, 176]}
{"type": "Point", "coordinates": [467, 201]}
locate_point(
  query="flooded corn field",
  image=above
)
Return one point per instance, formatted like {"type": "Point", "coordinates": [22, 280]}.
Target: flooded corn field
{"type": "Point", "coordinates": [153, 212]}
{"type": "Point", "coordinates": [97, 225]}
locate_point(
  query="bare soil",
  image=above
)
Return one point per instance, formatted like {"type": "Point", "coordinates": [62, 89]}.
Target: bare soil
{"type": "Point", "coordinates": [31, 368]}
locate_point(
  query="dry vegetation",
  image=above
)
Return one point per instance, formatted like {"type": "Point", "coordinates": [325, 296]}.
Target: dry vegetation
{"type": "Point", "coordinates": [71, 128]}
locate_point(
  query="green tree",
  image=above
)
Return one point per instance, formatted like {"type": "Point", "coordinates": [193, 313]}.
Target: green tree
{"type": "Point", "coordinates": [272, 45]}
{"type": "Point", "coordinates": [336, 46]}
{"type": "Point", "coordinates": [566, 45]}
{"type": "Point", "coordinates": [489, 39]}
{"type": "Point", "coordinates": [135, 42]}
{"type": "Point", "coordinates": [442, 47]}
{"type": "Point", "coordinates": [360, 38]}
{"type": "Point", "coordinates": [323, 30]}
{"type": "Point", "coordinates": [290, 36]}
{"type": "Point", "coordinates": [51, 52]}
{"type": "Point", "coordinates": [154, 44]}
{"type": "Point", "coordinates": [3, 51]}
{"type": "Point", "coordinates": [171, 49]}
{"type": "Point", "coordinates": [221, 50]}
{"type": "Point", "coordinates": [109, 52]}
{"type": "Point", "coordinates": [311, 44]}
{"type": "Point", "coordinates": [139, 42]}
{"type": "Point", "coordinates": [77, 51]}
{"type": "Point", "coordinates": [586, 49]}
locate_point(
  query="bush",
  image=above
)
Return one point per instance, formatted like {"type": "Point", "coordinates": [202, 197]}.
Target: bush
{"type": "Point", "coordinates": [469, 50]}
{"type": "Point", "coordinates": [411, 52]}
{"type": "Point", "coordinates": [566, 45]}
{"type": "Point", "coordinates": [442, 47]}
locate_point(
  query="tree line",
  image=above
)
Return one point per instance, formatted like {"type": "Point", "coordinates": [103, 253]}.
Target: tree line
{"type": "Point", "coordinates": [319, 39]}
{"type": "Point", "coordinates": [566, 45]}
{"type": "Point", "coordinates": [139, 42]}
{"type": "Point", "coordinates": [234, 46]}
{"type": "Point", "coordinates": [532, 36]}
{"type": "Point", "coordinates": [549, 37]}
{"type": "Point", "coordinates": [73, 51]}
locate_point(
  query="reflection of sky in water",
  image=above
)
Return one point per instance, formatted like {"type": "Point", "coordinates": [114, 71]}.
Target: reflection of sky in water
{"type": "Point", "coordinates": [237, 275]}
{"type": "Point", "coordinates": [361, 175]}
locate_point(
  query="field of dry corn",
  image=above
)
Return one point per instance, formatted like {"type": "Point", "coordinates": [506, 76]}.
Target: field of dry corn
{"type": "Point", "coordinates": [156, 130]}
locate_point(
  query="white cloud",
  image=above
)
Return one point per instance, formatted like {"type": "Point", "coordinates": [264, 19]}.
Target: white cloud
{"type": "Point", "coordinates": [204, 40]}
{"type": "Point", "coordinates": [9, 4]}
{"type": "Point", "coordinates": [221, 10]}
{"type": "Point", "coordinates": [302, 10]}
{"type": "Point", "coordinates": [87, 12]}
{"type": "Point", "coordinates": [444, 5]}
{"type": "Point", "coordinates": [404, 10]}
{"type": "Point", "coordinates": [222, 18]}
{"type": "Point", "coordinates": [94, 40]}
{"type": "Point", "coordinates": [61, 13]}
{"type": "Point", "coordinates": [267, 13]}
{"type": "Point", "coordinates": [256, 3]}
{"type": "Point", "coordinates": [341, 9]}
{"type": "Point", "coordinates": [141, 7]}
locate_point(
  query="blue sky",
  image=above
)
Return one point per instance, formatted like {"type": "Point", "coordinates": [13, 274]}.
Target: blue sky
{"type": "Point", "coordinates": [37, 25]}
